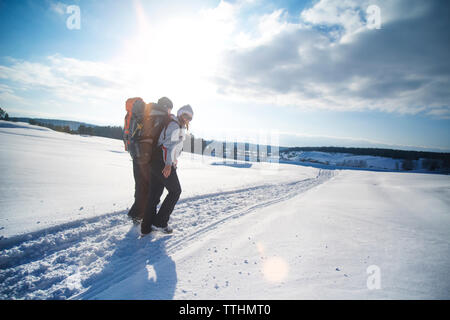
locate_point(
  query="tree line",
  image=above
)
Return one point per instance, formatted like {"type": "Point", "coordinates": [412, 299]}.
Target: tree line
{"type": "Point", "coordinates": [113, 132]}
{"type": "Point", "coordinates": [4, 115]}
{"type": "Point", "coordinates": [386, 153]}
{"type": "Point", "coordinates": [432, 161]}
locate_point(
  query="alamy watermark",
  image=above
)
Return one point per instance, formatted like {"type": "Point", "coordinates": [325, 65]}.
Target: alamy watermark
{"type": "Point", "coordinates": [373, 17]}
{"type": "Point", "coordinates": [73, 22]}
{"type": "Point", "coordinates": [374, 279]}
{"type": "Point", "coordinates": [261, 147]}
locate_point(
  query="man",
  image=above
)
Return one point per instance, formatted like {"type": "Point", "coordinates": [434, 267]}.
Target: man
{"type": "Point", "coordinates": [158, 115]}
{"type": "Point", "coordinates": [164, 172]}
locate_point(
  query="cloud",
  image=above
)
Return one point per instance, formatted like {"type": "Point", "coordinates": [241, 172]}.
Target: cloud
{"type": "Point", "coordinates": [345, 14]}
{"type": "Point", "coordinates": [58, 7]}
{"type": "Point", "coordinates": [65, 87]}
{"type": "Point", "coordinates": [266, 28]}
{"type": "Point", "coordinates": [66, 78]}
{"type": "Point", "coordinates": [329, 59]}
{"type": "Point", "coordinates": [352, 16]}
{"type": "Point", "coordinates": [441, 113]}
{"type": "Point", "coordinates": [324, 58]}
{"type": "Point", "coordinates": [7, 94]}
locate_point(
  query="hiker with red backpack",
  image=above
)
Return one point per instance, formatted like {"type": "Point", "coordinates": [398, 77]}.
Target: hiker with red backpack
{"type": "Point", "coordinates": [164, 172]}
{"type": "Point", "coordinates": [143, 124]}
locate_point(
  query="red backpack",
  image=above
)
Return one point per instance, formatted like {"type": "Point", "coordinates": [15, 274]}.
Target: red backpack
{"type": "Point", "coordinates": [130, 126]}
{"type": "Point", "coordinates": [143, 125]}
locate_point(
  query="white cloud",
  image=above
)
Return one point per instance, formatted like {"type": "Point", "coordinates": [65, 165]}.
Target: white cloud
{"type": "Point", "coordinates": [58, 7]}
{"type": "Point", "coordinates": [346, 14]}
{"type": "Point", "coordinates": [399, 68]}
{"type": "Point", "coordinates": [268, 26]}
{"type": "Point", "coordinates": [351, 15]}
{"type": "Point", "coordinates": [65, 87]}
{"type": "Point", "coordinates": [67, 78]}
{"type": "Point", "coordinates": [276, 60]}
{"type": "Point", "coordinates": [442, 113]}
{"type": "Point", "coordinates": [8, 97]}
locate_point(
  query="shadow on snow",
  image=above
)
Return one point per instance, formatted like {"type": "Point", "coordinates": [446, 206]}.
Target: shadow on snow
{"type": "Point", "coordinates": [138, 269]}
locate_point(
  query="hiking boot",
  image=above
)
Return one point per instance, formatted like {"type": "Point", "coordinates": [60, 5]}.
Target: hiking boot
{"type": "Point", "coordinates": [167, 230]}
{"type": "Point", "coordinates": [136, 220]}
{"type": "Point", "coordinates": [145, 231]}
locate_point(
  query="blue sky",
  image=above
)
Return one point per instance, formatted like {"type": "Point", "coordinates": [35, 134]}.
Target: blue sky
{"type": "Point", "coordinates": [315, 72]}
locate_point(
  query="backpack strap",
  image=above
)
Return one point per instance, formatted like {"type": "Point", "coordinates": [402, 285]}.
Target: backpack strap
{"type": "Point", "coordinates": [138, 127]}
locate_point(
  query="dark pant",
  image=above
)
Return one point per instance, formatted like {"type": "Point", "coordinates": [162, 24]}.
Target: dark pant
{"type": "Point", "coordinates": [141, 172]}
{"type": "Point", "coordinates": [157, 185]}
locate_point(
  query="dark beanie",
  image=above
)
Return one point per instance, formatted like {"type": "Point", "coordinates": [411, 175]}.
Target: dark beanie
{"type": "Point", "coordinates": [165, 103]}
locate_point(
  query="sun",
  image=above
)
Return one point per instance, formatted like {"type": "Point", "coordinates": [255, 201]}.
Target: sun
{"type": "Point", "coordinates": [176, 57]}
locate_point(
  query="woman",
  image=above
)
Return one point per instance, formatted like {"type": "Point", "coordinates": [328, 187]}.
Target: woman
{"type": "Point", "coordinates": [164, 172]}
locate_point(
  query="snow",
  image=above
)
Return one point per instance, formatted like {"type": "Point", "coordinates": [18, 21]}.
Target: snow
{"type": "Point", "coordinates": [315, 247]}
{"type": "Point", "coordinates": [49, 178]}
{"type": "Point", "coordinates": [242, 231]}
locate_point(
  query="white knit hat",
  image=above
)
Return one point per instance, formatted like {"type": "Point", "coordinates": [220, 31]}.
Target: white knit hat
{"type": "Point", "coordinates": [187, 109]}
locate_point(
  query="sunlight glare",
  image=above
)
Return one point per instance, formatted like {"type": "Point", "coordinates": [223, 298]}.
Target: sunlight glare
{"type": "Point", "coordinates": [275, 269]}
{"type": "Point", "coordinates": [178, 56]}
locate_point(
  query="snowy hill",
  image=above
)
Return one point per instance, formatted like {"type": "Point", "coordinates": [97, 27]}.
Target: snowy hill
{"type": "Point", "coordinates": [347, 160]}
{"type": "Point", "coordinates": [242, 231]}
{"type": "Point", "coordinates": [73, 125]}
{"type": "Point", "coordinates": [343, 160]}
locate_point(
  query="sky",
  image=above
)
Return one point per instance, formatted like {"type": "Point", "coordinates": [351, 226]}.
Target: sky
{"type": "Point", "coordinates": [365, 73]}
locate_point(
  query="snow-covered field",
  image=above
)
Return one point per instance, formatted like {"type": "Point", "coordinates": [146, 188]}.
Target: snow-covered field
{"type": "Point", "coordinates": [49, 178]}
{"type": "Point", "coordinates": [254, 231]}
{"type": "Point", "coordinates": [346, 160]}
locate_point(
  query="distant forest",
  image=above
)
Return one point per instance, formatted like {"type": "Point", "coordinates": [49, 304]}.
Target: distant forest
{"type": "Point", "coordinates": [432, 161]}
{"type": "Point", "coordinates": [73, 127]}
{"type": "Point", "coordinates": [387, 153]}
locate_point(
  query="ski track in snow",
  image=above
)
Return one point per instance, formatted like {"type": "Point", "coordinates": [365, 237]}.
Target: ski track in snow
{"type": "Point", "coordinates": [81, 259]}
